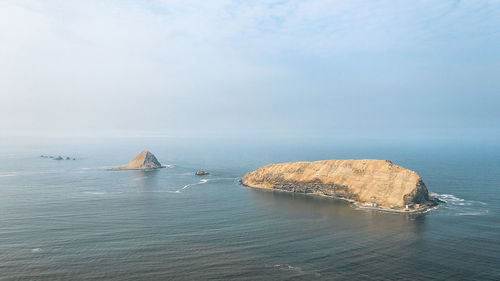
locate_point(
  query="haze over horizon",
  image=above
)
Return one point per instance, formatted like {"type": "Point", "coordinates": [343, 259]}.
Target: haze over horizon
{"type": "Point", "coordinates": [324, 68]}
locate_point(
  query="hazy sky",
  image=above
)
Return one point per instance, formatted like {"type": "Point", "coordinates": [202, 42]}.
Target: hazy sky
{"type": "Point", "coordinates": [322, 67]}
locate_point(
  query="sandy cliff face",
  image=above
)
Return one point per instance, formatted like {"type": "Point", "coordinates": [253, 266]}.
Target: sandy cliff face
{"type": "Point", "coordinates": [143, 161]}
{"type": "Point", "coordinates": [369, 183]}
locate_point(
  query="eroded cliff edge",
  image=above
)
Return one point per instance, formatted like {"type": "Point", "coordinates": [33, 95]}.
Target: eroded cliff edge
{"type": "Point", "coordinates": [368, 183]}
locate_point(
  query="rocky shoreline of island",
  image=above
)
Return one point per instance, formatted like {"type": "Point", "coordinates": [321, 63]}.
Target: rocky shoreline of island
{"type": "Point", "coordinates": [356, 204]}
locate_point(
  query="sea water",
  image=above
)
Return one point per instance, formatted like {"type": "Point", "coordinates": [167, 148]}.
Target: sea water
{"type": "Point", "coordinates": [77, 220]}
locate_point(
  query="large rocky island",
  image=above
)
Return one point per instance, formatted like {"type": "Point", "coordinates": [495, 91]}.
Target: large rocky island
{"type": "Point", "coordinates": [367, 183]}
{"type": "Point", "coordinates": [143, 161]}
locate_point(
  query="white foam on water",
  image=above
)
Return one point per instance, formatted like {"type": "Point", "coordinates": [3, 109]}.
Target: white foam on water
{"type": "Point", "coordinates": [453, 200]}
{"type": "Point", "coordinates": [94, 192]}
{"type": "Point", "coordinates": [287, 266]}
{"type": "Point", "coordinates": [460, 206]}
{"type": "Point", "coordinates": [448, 198]}
{"type": "Point", "coordinates": [296, 269]}
{"type": "Point", "coordinates": [472, 213]}
{"type": "Point", "coordinates": [13, 174]}
{"type": "Point", "coordinates": [35, 250]}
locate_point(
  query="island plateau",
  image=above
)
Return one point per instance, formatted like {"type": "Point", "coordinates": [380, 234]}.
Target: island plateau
{"type": "Point", "coordinates": [377, 184]}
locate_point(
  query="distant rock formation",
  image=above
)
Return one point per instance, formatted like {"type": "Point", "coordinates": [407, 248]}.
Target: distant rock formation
{"type": "Point", "coordinates": [202, 173]}
{"type": "Point", "coordinates": [143, 161]}
{"type": "Point", "coordinates": [57, 157]}
{"type": "Point", "coordinates": [368, 183]}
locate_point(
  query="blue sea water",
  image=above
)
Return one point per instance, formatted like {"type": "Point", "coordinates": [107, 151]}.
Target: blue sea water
{"type": "Point", "coordinates": [76, 220]}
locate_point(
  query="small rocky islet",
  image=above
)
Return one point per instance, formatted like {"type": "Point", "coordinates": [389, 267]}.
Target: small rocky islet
{"type": "Point", "coordinates": [142, 161]}
{"type": "Point", "coordinates": [377, 184]}
{"type": "Point", "coordinates": [148, 161]}
{"type": "Point", "coordinates": [59, 157]}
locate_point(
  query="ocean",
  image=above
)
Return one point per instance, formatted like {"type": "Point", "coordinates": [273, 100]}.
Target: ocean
{"type": "Point", "coordinates": [77, 220]}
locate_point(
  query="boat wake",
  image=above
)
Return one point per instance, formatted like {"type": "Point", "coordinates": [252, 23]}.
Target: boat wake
{"type": "Point", "coordinates": [462, 207]}
{"type": "Point", "coordinates": [191, 184]}
{"type": "Point", "coordinates": [202, 181]}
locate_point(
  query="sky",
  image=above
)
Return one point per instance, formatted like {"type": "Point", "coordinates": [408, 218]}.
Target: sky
{"type": "Point", "coordinates": [323, 68]}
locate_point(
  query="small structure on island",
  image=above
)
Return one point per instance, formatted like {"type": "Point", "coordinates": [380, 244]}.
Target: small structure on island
{"type": "Point", "coordinates": [143, 161]}
{"type": "Point", "coordinates": [202, 173]}
{"type": "Point", "coordinates": [371, 204]}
